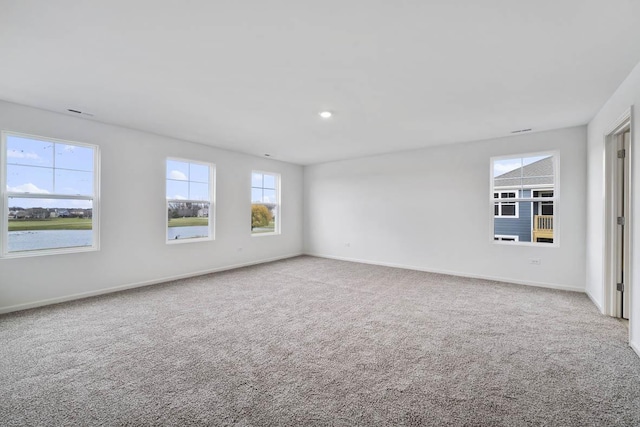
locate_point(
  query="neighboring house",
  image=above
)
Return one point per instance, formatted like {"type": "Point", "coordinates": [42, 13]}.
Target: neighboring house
{"type": "Point", "coordinates": [203, 213]}
{"type": "Point", "coordinates": [530, 221]}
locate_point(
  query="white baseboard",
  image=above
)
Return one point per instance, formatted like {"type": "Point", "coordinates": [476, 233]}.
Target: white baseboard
{"type": "Point", "coordinates": [596, 303]}
{"type": "Point", "coordinates": [635, 347]}
{"type": "Point", "coordinates": [82, 295]}
{"type": "Point", "coordinates": [454, 273]}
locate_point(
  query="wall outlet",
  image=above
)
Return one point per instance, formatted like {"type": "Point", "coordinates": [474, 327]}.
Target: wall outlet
{"type": "Point", "coordinates": [239, 249]}
{"type": "Point", "coordinates": [535, 261]}
{"type": "Point", "coordinates": [348, 244]}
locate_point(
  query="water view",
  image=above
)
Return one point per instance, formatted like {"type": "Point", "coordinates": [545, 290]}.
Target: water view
{"type": "Point", "coordinates": [188, 232]}
{"type": "Point", "coordinates": [47, 239]}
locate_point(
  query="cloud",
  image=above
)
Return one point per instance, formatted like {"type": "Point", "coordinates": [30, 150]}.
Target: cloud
{"type": "Point", "coordinates": [15, 154]}
{"type": "Point", "coordinates": [27, 188]}
{"type": "Point", "coordinates": [177, 175]}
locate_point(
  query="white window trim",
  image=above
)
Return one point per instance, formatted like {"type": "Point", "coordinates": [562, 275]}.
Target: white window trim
{"type": "Point", "coordinates": [4, 199]}
{"type": "Point", "coordinates": [278, 221]}
{"type": "Point", "coordinates": [555, 198]}
{"type": "Point", "coordinates": [500, 202]}
{"type": "Point", "coordinates": [211, 201]}
{"type": "Point", "coordinates": [505, 236]}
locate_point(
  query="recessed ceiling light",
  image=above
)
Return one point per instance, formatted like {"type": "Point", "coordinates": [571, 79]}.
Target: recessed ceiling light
{"type": "Point", "coordinates": [326, 114]}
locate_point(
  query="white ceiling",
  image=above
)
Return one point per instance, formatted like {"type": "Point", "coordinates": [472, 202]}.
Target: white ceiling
{"type": "Point", "coordinates": [251, 75]}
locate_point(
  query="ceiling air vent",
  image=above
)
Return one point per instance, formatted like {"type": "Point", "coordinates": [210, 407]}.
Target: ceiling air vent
{"type": "Point", "coordinates": [71, 110]}
{"type": "Point", "coordinates": [521, 130]}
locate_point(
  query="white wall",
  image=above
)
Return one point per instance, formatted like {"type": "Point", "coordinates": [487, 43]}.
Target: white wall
{"type": "Point", "coordinates": [133, 216]}
{"type": "Point", "coordinates": [626, 96]}
{"type": "Point", "coordinates": [429, 209]}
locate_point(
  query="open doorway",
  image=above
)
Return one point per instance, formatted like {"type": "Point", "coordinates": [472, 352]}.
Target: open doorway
{"type": "Point", "coordinates": [618, 219]}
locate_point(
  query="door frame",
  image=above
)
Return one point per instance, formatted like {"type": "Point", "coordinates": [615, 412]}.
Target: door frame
{"type": "Point", "coordinates": [612, 138]}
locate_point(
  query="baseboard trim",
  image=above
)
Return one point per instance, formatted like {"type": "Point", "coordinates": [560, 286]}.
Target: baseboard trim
{"type": "Point", "coordinates": [82, 295]}
{"type": "Point", "coordinates": [596, 303]}
{"type": "Point", "coordinates": [635, 347]}
{"type": "Point", "coordinates": [453, 273]}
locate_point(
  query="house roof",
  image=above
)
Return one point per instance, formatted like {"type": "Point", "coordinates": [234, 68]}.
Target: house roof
{"type": "Point", "coordinates": [536, 173]}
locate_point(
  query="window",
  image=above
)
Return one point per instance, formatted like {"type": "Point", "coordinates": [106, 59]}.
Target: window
{"type": "Point", "coordinates": [506, 238]}
{"type": "Point", "coordinates": [509, 209]}
{"type": "Point", "coordinates": [524, 198]}
{"type": "Point", "coordinates": [49, 195]}
{"type": "Point", "coordinates": [265, 203]}
{"type": "Point", "coordinates": [190, 206]}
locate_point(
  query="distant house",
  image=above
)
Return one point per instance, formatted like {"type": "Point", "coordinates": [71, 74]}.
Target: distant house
{"type": "Point", "coordinates": [530, 221]}
{"type": "Point", "coordinates": [203, 213]}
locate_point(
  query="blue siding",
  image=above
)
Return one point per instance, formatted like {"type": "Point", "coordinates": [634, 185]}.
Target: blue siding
{"type": "Point", "coordinates": [520, 226]}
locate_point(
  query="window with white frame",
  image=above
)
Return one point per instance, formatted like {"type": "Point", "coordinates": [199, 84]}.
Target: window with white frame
{"type": "Point", "coordinates": [49, 195]}
{"type": "Point", "coordinates": [524, 198]}
{"type": "Point", "coordinates": [190, 200]}
{"type": "Point", "coordinates": [506, 238]}
{"type": "Point", "coordinates": [509, 209]}
{"type": "Point", "coordinates": [265, 203]}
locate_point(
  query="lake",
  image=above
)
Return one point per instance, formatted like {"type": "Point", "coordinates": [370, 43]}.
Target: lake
{"type": "Point", "coordinates": [47, 239]}
{"type": "Point", "coordinates": [190, 232]}
{"type": "Point", "coordinates": [19, 241]}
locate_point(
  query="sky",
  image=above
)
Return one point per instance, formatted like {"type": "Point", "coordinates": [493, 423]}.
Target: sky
{"type": "Point", "coordinates": [187, 180]}
{"type": "Point", "coordinates": [44, 167]}
{"type": "Point", "coordinates": [507, 165]}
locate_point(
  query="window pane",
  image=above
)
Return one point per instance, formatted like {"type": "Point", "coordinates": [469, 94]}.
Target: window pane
{"type": "Point", "coordinates": [198, 173]}
{"type": "Point", "coordinates": [546, 209]}
{"type": "Point", "coordinates": [524, 177]}
{"type": "Point", "coordinates": [187, 220]}
{"type": "Point", "coordinates": [539, 230]}
{"type": "Point", "coordinates": [523, 171]}
{"type": "Point", "coordinates": [198, 191]}
{"type": "Point", "coordinates": [508, 209]}
{"type": "Point", "coordinates": [256, 195]}
{"type": "Point", "coordinates": [29, 179]}
{"type": "Point", "coordinates": [37, 224]}
{"type": "Point", "coordinates": [262, 218]}
{"type": "Point", "coordinates": [73, 157]}
{"type": "Point", "coordinates": [177, 170]}
{"type": "Point", "coordinates": [269, 181]}
{"type": "Point", "coordinates": [25, 151]}
{"type": "Point", "coordinates": [177, 190]}
{"type": "Point", "coordinates": [256, 179]}
{"type": "Point", "coordinates": [73, 182]}
{"type": "Point", "coordinates": [269, 196]}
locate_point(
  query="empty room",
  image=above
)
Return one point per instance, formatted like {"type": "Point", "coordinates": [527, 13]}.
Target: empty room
{"type": "Point", "coordinates": [290, 213]}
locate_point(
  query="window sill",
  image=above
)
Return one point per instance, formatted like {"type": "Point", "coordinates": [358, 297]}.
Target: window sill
{"type": "Point", "coordinates": [47, 252]}
{"type": "Point", "coordinates": [192, 240]}
{"type": "Point", "coordinates": [273, 233]}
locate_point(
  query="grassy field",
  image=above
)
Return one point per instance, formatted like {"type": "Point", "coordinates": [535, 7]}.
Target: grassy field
{"type": "Point", "coordinates": [50, 224]}
{"type": "Point", "coordinates": [188, 222]}
{"type": "Point", "coordinates": [268, 229]}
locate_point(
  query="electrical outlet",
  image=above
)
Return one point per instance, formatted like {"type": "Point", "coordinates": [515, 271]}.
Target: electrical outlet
{"type": "Point", "coordinates": [239, 249]}
{"type": "Point", "coordinates": [348, 244]}
{"type": "Point", "coordinates": [535, 261]}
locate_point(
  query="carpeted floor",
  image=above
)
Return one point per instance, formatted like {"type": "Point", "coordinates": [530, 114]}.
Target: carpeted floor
{"type": "Point", "coordinates": [311, 341]}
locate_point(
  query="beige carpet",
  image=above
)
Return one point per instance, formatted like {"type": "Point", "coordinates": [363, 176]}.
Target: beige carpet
{"type": "Point", "coordinates": [310, 341]}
